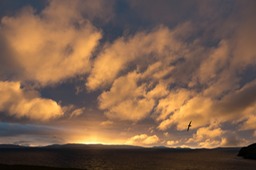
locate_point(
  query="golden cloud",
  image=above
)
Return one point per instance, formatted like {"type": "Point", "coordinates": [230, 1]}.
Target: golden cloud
{"type": "Point", "coordinates": [197, 109]}
{"type": "Point", "coordinates": [204, 110]}
{"type": "Point", "coordinates": [143, 139]}
{"type": "Point", "coordinates": [173, 102]}
{"type": "Point", "coordinates": [126, 100]}
{"type": "Point", "coordinates": [213, 64]}
{"type": "Point", "coordinates": [117, 56]}
{"type": "Point", "coordinates": [207, 132]}
{"type": "Point", "coordinates": [210, 136]}
{"type": "Point", "coordinates": [172, 142]}
{"type": "Point", "coordinates": [18, 102]}
{"type": "Point", "coordinates": [51, 46]}
{"type": "Point", "coordinates": [133, 95]}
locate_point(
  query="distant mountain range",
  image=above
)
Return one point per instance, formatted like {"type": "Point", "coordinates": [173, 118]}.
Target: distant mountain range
{"type": "Point", "coordinates": [73, 146]}
{"type": "Point", "coordinates": [10, 146]}
{"type": "Point", "coordinates": [102, 146]}
{"type": "Point", "coordinates": [92, 146]}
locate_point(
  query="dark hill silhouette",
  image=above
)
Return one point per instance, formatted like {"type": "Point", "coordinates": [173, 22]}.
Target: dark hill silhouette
{"type": "Point", "coordinates": [91, 146]}
{"type": "Point", "coordinates": [31, 167]}
{"type": "Point", "coordinates": [10, 146]}
{"type": "Point", "coordinates": [71, 146]}
{"type": "Point", "coordinates": [248, 152]}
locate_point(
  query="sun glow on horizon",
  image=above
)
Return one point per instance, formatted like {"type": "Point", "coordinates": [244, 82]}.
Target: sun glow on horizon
{"type": "Point", "coordinates": [97, 140]}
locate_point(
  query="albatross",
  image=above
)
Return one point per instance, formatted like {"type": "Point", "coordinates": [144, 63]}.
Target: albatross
{"type": "Point", "coordinates": [189, 125]}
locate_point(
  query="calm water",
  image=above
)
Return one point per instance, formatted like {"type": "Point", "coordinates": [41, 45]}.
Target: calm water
{"type": "Point", "coordinates": [122, 159]}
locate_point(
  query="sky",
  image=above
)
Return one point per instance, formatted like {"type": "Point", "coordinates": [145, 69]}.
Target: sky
{"type": "Point", "coordinates": [132, 72]}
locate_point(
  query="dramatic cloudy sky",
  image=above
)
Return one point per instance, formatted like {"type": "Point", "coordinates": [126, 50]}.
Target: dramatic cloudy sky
{"type": "Point", "coordinates": [128, 72]}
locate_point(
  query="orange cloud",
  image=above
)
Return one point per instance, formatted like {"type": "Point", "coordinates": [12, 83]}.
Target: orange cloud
{"type": "Point", "coordinates": [126, 100]}
{"type": "Point", "coordinates": [214, 63]}
{"type": "Point", "coordinates": [133, 94]}
{"type": "Point", "coordinates": [173, 102]}
{"type": "Point", "coordinates": [208, 136]}
{"type": "Point", "coordinates": [207, 132]}
{"type": "Point", "coordinates": [117, 56]}
{"type": "Point", "coordinates": [203, 109]}
{"type": "Point", "coordinates": [172, 142]}
{"type": "Point", "coordinates": [17, 102]}
{"type": "Point", "coordinates": [106, 123]}
{"type": "Point", "coordinates": [197, 109]}
{"type": "Point", "coordinates": [143, 139]}
{"type": "Point", "coordinates": [51, 46]}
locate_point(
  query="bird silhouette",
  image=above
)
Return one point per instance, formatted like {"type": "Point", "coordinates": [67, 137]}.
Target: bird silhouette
{"type": "Point", "coordinates": [189, 125]}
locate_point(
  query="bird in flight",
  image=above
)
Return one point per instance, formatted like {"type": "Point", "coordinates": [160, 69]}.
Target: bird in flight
{"type": "Point", "coordinates": [189, 125]}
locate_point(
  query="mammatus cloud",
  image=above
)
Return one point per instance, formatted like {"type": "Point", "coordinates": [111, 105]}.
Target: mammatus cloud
{"type": "Point", "coordinates": [143, 139]}
{"type": "Point", "coordinates": [49, 46]}
{"type": "Point", "coordinates": [19, 103]}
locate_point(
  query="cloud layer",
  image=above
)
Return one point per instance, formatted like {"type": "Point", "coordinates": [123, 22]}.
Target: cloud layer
{"type": "Point", "coordinates": [172, 68]}
{"type": "Point", "coordinates": [180, 76]}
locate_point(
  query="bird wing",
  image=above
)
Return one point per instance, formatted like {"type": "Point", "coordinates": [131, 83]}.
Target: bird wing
{"type": "Point", "coordinates": [189, 125]}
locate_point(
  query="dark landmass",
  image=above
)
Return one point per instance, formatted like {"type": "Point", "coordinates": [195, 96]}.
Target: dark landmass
{"type": "Point", "coordinates": [102, 146]}
{"type": "Point", "coordinates": [81, 147]}
{"type": "Point", "coordinates": [71, 146]}
{"type": "Point", "coordinates": [248, 152]}
{"type": "Point", "coordinates": [10, 146]}
{"type": "Point", "coordinates": [92, 146]}
{"type": "Point", "coordinates": [160, 147]}
{"type": "Point", "coordinates": [228, 149]}
{"type": "Point", "coordinates": [30, 167]}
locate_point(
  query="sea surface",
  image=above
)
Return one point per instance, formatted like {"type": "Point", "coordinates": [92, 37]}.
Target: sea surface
{"type": "Point", "coordinates": [128, 159]}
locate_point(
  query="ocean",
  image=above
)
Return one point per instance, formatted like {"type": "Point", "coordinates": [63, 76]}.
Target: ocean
{"type": "Point", "coordinates": [128, 159]}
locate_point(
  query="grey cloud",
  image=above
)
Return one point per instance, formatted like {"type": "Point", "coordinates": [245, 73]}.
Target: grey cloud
{"type": "Point", "coordinates": [233, 139]}
{"type": "Point", "coordinates": [240, 99]}
{"type": "Point", "coordinates": [16, 129]}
